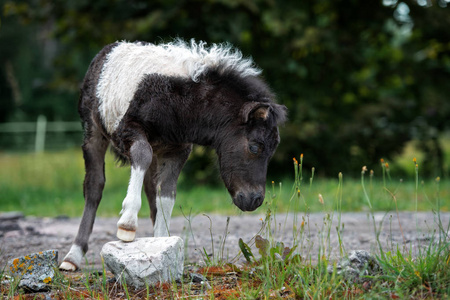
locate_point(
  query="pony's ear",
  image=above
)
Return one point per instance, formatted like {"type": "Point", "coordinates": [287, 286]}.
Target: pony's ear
{"type": "Point", "coordinates": [254, 111]}
{"type": "Point", "coordinates": [280, 113]}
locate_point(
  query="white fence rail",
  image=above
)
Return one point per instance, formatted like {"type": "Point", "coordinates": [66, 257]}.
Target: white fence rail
{"type": "Point", "coordinates": [40, 128]}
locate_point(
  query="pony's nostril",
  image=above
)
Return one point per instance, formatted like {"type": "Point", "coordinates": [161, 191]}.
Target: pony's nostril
{"type": "Point", "coordinates": [241, 198]}
{"type": "Point", "coordinates": [240, 201]}
{"type": "Point", "coordinates": [256, 200]}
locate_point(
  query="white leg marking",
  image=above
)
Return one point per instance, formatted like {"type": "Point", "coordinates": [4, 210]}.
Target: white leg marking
{"type": "Point", "coordinates": [73, 259]}
{"type": "Point", "coordinates": [127, 224]}
{"type": "Point", "coordinates": [164, 206]}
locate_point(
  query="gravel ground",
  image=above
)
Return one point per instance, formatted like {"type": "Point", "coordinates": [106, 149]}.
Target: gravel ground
{"type": "Point", "coordinates": [24, 235]}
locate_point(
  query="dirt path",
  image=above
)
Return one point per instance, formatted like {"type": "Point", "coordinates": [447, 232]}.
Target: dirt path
{"type": "Point", "coordinates": [24, 235]}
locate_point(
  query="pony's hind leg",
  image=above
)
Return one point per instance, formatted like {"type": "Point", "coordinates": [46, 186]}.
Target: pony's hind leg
{"type": "Point", "coordinates": [150, 186]}
{"type": "Point", "coordinates": [161, 201]}
{"type": "Point", "coordinates": [94, 149]}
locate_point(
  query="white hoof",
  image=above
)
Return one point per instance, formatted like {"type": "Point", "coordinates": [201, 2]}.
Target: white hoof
{"type": "Point", "coordinates": [126, 235]}
{"type": "Point", "coordinates": [68, 266]}
{"type": "Point", "coordinates": [73, 259]}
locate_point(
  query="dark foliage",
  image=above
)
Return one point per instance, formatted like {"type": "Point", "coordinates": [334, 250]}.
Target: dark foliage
{"type": "Point", "coordinates": [360, 79]}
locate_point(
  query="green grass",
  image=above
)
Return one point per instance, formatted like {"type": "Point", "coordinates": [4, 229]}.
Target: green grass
{"type": "Point", "coordinates": [50, 184]}
{"type": "Point", "coordinates": [423, 276]}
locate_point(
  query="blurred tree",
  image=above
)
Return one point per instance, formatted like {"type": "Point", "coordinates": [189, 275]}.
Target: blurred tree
{"type": "Point", "coordinates": [360, 79]}
{"type": "Point", "coordinates": [27, 53]}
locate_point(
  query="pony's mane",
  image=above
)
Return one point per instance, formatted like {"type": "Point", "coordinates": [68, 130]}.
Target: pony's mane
{"type": "Point", "coordinates": [198, 58]}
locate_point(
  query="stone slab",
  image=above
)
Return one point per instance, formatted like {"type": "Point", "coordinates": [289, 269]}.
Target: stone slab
{"type": "Point", "coordinates": [145, 261]}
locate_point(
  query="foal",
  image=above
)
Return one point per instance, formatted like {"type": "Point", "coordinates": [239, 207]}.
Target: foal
{"type": "Point", "coordinates": [151, 103]}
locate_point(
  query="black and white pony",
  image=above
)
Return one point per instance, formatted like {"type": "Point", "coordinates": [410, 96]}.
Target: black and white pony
{"type": "Point", "coordinates": [151, 103]}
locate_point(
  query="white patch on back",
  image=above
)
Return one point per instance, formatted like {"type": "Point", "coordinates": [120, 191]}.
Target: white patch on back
{"type": "Point", "coordinates": [128, 63]}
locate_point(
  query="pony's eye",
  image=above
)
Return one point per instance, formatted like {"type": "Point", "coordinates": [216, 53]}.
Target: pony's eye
{"type": "Point", "coordinates": [254, 148]}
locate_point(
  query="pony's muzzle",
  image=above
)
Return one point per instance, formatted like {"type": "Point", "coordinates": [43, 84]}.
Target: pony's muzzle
{"type": "Point", "coordinates": [248, 202]}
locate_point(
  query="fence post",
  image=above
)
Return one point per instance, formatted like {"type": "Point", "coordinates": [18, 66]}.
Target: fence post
{"type": "Point", "coordinates": [41, 127]}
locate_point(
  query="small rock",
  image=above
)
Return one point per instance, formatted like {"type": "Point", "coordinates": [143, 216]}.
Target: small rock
{"type": "Point", "coordinates": [359, 263]}
{"type": "Point", "coordinates": [145, 261]}
{"type": "Point", "coordinates": [9, 226]}
{"type": "Point", "coordinates": [197, 278]}
{"type": "Point", "coordinates": [11, 216]}
{"type": "Point", "coordinates": [35, 271]}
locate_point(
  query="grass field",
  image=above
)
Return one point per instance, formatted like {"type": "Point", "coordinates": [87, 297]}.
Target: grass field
{"type": "Point", "coordinates": [50, 184]}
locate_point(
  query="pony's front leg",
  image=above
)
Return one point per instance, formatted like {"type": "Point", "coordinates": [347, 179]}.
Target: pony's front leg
{"type": "Point", "coordinates": [141, 157]}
